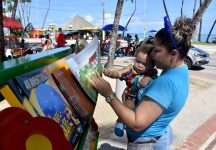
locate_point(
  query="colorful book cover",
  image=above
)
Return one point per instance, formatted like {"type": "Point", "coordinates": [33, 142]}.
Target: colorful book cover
{"type": "Point", "coordinates": [85, 64]}
{"type": "Point", "coordinates": [73, 92]}
{"type": "Point", "coordinates": [45, 96]}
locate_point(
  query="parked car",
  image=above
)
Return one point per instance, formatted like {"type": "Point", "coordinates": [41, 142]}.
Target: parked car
{"type": "Point", "coordinates": [196, 57]}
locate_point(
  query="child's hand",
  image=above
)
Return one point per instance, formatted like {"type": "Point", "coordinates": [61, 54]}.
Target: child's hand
{"type": "Point", "coordinates": [144, 81]}
{"type": "Point", "coordinates": [108, 73]}
{"type": "Point", "coordinates": [111, 73]}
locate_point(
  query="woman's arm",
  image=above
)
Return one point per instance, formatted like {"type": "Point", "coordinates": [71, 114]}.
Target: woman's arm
{"type": "Point", "coordinates": [146, 113]}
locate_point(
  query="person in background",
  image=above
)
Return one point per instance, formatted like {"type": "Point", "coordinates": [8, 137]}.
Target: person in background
{"type": "Point", "coordinates": [214, 40]}
{"type": "Point", "coordinates": [81, 43]}
{"type": "Point", "coordinates": [148, 125]}
{"type": "Point", "coordinates": [48, 45]}
{"type": "Point", "coordinates": [136, 41]}
{"type": "Point", "coordinates": [22, 43]}
{"type": "Point", "coordinates": [60, 39]}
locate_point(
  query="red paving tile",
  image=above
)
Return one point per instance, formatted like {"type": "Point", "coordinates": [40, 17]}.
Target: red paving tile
{"type": "Point", "coordinates": [211, 145]}
{"type": "Point", "coordinates": [200, 136]}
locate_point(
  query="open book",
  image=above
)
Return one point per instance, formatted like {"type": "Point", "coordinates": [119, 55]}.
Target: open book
{"type": "Point", "coordinates": [85, 64]}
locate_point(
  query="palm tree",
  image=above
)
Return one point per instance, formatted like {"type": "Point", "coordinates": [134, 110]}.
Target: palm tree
{"type": "Point", "coordinates": [207, 40]}
{"type": "Point", "coordinates": [164, 4]}
{"type": "Point", "coordinates": [2, 51]}
{"type": "Point", "coordinates": [182, 7]}
{"type": "Point", "coordinates": [199, 13]}
{"type": "Point", "coordinates": [113, 39]}
{"type": "Point", "coordinates": [130, 16]}
{"type": "Point", "coordinates": [46, 14]}
{"type": "Point", "coordinates": [24, 11]}
{"type": "Point", "coordinates": [200, 27]}
{"type": "Point", "coordinates": [194, 9]}
{"type": "Point", "coordinates": [14, 8]}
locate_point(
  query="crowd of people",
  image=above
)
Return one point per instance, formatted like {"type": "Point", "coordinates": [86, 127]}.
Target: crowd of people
{"type": "Point", "coordinates": [125, 45]}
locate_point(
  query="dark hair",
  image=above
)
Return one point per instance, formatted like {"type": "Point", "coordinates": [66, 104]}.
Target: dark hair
{"type": "Point", "coordinates": [182, 32]}
{"type": "Point", "coordinates": [46, 42]}
{"type": "Point", "coordinates": [145, 49]}
{"type": "Point", "coordinates": [59, 29]}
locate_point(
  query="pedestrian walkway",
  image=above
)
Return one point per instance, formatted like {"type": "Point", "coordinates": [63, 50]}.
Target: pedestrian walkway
{"type": "Point", "coordinates": [203, 138]}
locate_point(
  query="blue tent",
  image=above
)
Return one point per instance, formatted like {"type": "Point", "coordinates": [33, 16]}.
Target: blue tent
{"type": "Point", "coordinates": [109, 27]}
{"type": "Point", "coordinates": [151, 31]}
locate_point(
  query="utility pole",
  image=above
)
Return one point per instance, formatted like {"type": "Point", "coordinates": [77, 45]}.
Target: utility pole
{"type": "Point", "coordinates": [103, 32]}
{"type": "Point", "coordinates": [145, 12]}
{"type": "Point", "coordinates": [103, 12]}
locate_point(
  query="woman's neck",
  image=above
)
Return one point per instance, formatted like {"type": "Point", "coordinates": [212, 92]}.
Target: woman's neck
{"type": "Point", "coordinates": [175, 65]}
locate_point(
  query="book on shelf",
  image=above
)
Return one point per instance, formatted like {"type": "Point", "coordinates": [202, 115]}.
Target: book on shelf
{"type": "Point", "coordinates": [85, 64]}
{"type": "Point", "coordinates": [45, 96]}
{"type": "Point", "coordinates": [73, 92]}
{"type": "Point", "coordinates": [16, 97]}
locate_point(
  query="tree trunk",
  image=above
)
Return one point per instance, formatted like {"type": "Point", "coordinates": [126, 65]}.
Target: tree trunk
{"type": "Point", "coordinates": [14, 9]}
{"type": "Point", "coordinates": [207, 40]}
{"type": "Point", "coordinates": [200, 27]}
{"type": "Point", "coordinates": [182, 7]}
{"type": "Point", "coordinates": [194, 9]}
{"type": "Point", "coordinates": [200, 30]}
{"type": "Point", "coordinates": [46, 14]}
{"type": "Point", "coordinates": [2, 48]}
{"type": "Point", "coordinates": [113, 39]}
{"type": "Point", "coordinates": [198, 15]}
{"type": "Point", "coordinates": [164, 4]}
{"type": "Point", "coordinates": [130, 17]}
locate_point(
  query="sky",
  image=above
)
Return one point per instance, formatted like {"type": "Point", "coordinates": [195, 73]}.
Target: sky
{"type": "Point", "coordinates": [149, 13]}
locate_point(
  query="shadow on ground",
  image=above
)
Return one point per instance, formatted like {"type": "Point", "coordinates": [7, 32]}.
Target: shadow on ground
{"type": "Point", "coordinates": [106, 146]}
{"type": "Point", "coordinates": [197, 68]}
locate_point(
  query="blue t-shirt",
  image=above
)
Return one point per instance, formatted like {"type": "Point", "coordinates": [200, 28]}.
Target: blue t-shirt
{"type": "Point", "coordinates": [170, 90]}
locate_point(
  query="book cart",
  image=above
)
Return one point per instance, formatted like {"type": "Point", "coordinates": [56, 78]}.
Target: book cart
{"type": "Point", "coordinates": [69, 111]}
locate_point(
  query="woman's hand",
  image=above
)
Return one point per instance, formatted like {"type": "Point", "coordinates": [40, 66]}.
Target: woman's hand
{"type": "Point", "coordinates": [101, 85]}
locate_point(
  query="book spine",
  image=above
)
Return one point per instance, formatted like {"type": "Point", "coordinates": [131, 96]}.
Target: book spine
{"type": "Point", "coordinates": [10, 97]}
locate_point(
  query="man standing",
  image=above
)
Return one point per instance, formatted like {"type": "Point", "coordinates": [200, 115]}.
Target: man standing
{"type": "Point", "coordinates": [80, 42]}
{"type": "Point", "coordinates": [60, 39]}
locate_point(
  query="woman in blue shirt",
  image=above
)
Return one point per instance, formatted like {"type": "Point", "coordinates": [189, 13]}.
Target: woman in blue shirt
{"type": "Point", "coordinates": [163, 98]}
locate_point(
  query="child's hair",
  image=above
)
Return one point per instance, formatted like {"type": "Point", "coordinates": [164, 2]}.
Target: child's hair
{"type": "Point", "coordinates": [144, 48]}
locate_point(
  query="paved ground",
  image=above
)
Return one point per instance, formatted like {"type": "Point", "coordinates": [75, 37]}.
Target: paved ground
{"type": "Point", "coordinates": [190, 124]}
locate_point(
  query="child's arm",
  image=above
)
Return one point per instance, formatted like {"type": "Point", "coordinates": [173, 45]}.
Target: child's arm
{"type": "Point", "coordinates": [111, 73]}
{"type": "Point", "coordinates": [144, 81]}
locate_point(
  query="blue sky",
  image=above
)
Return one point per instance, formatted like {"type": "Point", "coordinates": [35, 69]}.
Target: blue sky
{"type": "Point", "coordinates": [149, 13]}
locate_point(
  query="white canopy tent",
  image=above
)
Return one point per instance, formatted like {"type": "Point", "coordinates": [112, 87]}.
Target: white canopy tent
{"type": "Point", "coordinates": [78, 23]}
